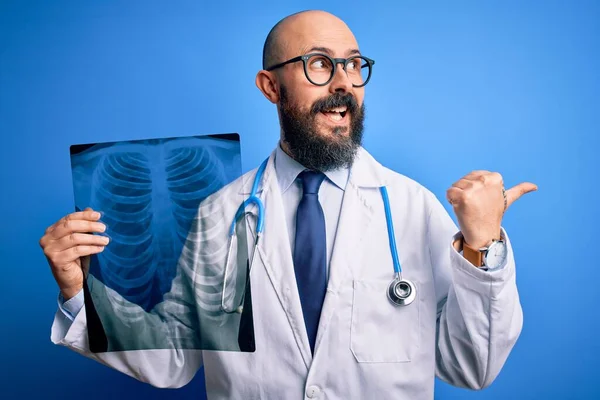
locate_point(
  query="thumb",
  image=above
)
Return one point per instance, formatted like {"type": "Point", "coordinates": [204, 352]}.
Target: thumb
{"type": "Point", "coordinates": [514, 193]}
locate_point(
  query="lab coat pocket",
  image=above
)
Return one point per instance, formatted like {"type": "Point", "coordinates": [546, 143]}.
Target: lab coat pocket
{"type": "Point", "coordinates": [381, 332]}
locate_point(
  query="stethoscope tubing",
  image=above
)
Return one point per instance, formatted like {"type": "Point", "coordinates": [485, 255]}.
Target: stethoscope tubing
{"type": "Point", "coordinates": [392, 292]}
{"type": "Point", "coordinates": [390, 228]}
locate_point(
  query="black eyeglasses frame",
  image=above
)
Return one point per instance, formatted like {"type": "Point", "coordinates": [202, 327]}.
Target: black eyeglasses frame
{"type": "Point", "coordinates": [334, 62]}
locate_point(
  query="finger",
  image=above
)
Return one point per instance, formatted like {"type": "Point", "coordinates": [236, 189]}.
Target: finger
{"type": "Point", "coordinates": [514, 193]}
{"type": "Point", "coordinates": [78, 239]}
{"type": "Point", "coordinates": [69, 226]}
{"type": "Point", "coordinates": [484, 177]}
{"type": "Point", "coordinates": [88, 214]}
{"type": "Point", "coordinates": [476, 173]}
{"type": "Point", "coordinates": [74, 253]}
{"type": "Point", "coordinates": [463, 184]}
{"type": "Point", "coordinates": [453, 195]}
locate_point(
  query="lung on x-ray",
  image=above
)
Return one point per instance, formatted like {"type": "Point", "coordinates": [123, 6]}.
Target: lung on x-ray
{"type": "Point", "coordinates": [159, 282]}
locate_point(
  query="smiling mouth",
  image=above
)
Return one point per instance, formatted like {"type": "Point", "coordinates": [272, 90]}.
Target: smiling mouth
{"type": "Point", "coordinates": [336, 114]}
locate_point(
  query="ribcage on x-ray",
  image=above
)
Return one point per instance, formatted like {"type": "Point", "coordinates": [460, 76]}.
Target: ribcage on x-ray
{"type": "Point", "coordinates": [149, 198]}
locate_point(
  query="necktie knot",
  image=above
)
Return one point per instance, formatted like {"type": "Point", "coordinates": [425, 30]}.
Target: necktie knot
{"type": "Point", "coordinates": [311, 181]}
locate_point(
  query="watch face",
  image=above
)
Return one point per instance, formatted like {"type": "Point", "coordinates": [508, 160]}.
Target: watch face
{"type": "Point", "coordinates": [496, 255]}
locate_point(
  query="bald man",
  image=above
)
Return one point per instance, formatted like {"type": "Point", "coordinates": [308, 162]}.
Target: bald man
{"type": "Point", "coordinates": [326, 323]}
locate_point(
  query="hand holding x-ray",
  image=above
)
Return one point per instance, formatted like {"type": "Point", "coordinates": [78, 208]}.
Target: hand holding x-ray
{"type": "Point", "coordinates": [67, 244]}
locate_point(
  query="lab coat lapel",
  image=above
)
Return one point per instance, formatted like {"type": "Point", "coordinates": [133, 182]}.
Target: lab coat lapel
{"type": "Point", "coordinates": [355, 217]}
{"type": "Point", "coordinates": [276, 255]}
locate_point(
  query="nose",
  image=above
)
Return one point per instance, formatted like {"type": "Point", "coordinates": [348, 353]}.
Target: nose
{"type": "Point", "coordinates": [340, 81]}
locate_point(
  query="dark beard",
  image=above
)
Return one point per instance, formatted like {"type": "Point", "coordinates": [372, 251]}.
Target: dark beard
{"type": "Point", "coordinates": [308, 146]}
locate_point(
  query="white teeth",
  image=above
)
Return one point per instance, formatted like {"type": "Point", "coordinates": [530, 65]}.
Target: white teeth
{"type": "Point", "coordinates": [336, 117]}
{"type": "Point", "coordinates": [338, 109]}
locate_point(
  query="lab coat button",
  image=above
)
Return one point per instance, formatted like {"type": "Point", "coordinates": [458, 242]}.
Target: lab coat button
{"type": "Point", "coordinates": [313, 392]}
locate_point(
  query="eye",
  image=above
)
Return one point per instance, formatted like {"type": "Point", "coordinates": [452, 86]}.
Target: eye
{"type": "Point", "coordinates": [319, 63]}
{"type": "Point", "coordinates": [354, 64]}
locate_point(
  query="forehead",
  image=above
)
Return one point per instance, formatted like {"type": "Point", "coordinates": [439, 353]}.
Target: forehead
{"type": "Point", "coordinates": [304, 34]}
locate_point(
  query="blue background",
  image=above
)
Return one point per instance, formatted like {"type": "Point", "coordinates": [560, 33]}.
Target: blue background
{"type": "Point", "coordinates": [509, 86]}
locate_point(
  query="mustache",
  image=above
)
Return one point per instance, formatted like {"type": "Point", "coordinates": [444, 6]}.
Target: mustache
{"type": "Point", "coordinates": [335, 100]}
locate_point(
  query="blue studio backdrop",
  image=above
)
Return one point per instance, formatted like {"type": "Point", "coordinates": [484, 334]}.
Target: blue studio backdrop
{"type": "Point", "coordinates": [509, 86]}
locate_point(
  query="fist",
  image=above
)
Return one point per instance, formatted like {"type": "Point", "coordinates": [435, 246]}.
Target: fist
{"type": "Point", "coordinates": [479, 202]}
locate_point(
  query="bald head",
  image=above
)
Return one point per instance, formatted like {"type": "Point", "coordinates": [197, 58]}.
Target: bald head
{"type": "Point", "coordinates": [296, 33]}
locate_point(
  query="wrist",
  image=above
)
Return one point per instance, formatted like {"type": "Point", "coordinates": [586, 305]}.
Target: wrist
{"type": "Point", "coordinates": [488, 256]}
{"type": "Point", "coordinates": [477, 243]}
{"type": "Point", "coordinates": [69, 293]}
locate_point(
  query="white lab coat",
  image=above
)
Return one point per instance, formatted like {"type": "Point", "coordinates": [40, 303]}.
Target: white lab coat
{"type": "Point", "coordinates": [461, 327]}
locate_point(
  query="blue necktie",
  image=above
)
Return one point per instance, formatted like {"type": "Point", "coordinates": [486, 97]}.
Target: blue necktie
{"type": "Point", "coordinates": [310, 253]}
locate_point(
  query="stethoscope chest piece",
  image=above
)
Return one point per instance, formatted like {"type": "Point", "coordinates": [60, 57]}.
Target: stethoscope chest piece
{"type": "Point", "coordinates": [401, 292]}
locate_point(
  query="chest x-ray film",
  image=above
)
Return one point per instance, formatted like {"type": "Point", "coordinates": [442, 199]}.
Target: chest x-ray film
{"type": "Point", "coordinates": [167, 204]}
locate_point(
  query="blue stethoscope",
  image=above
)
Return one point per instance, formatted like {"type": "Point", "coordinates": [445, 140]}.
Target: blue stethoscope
{"type": "Point", "coordinates": [400, 292]}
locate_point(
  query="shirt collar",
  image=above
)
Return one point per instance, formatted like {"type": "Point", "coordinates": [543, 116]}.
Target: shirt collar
{"type": "Point", "coordinates": [288, 170]}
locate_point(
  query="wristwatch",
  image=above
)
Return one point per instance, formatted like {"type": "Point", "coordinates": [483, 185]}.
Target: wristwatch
{"type": "Point", "coordinates": [489, 257]}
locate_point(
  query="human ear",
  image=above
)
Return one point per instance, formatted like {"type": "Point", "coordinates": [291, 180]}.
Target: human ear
{"type": "Point", "coordinates": [266, 82]}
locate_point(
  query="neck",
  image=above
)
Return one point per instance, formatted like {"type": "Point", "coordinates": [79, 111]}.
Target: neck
{"type": "Point", "coordinates": [286, 148]}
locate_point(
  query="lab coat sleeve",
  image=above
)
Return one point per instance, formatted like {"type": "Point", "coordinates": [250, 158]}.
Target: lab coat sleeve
{"type": "Point", "coordinates": [479, 315]}
{"type": "Point", "coordinates": [166, 359]}
{"type": "Point", "coordinates": [160, 347]}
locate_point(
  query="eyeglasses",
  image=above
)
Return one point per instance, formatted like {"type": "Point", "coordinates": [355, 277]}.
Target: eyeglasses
{"type": "Point", "coordinates": [320, 68]}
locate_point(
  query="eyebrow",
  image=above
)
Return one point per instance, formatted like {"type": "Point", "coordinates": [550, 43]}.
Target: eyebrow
{"type": "Point", "coordinates": [330, 52]}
